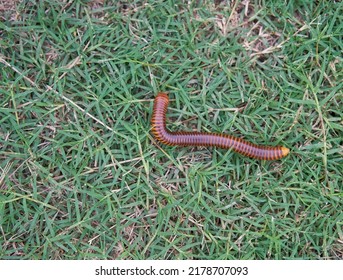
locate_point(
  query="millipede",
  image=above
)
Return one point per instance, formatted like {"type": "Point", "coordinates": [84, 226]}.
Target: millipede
{"type": "Point", "coordinates": [220, 140]}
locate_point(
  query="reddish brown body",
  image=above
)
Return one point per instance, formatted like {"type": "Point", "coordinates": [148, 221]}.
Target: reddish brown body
{"type": "Point", "coordinates": [224, 141]}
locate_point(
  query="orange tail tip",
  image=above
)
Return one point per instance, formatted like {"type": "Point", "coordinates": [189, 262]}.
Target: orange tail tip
{"type": "Point", "coordinates": [161, 93]}
{"type": "Point", "coordinates": [285, 151]}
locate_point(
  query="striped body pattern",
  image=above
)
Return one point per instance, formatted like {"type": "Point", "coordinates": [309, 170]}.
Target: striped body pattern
{"type": "Point", "coordinates": [181, 138]}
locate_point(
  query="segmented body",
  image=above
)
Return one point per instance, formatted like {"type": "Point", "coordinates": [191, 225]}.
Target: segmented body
{"type": "Point", "coordinates": [224, 141]}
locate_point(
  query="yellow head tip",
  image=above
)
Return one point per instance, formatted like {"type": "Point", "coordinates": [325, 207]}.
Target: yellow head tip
{"type": "Point", "coordinates": [285, 151]}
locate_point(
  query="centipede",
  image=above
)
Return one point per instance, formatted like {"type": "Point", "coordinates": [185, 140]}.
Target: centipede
{"type": "Point", "coordinates": [207, 139]}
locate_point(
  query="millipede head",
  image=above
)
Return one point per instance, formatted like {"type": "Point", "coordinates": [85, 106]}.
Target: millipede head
{"type": "Point", "coordinates": [285, 151]}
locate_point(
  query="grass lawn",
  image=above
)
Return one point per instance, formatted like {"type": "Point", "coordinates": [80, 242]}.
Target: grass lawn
{"type": "Point", "coordinates": [81, 177]}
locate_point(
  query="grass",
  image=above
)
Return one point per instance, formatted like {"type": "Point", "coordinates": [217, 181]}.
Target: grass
{"type": "Point", "coordinates": [81, 176]}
